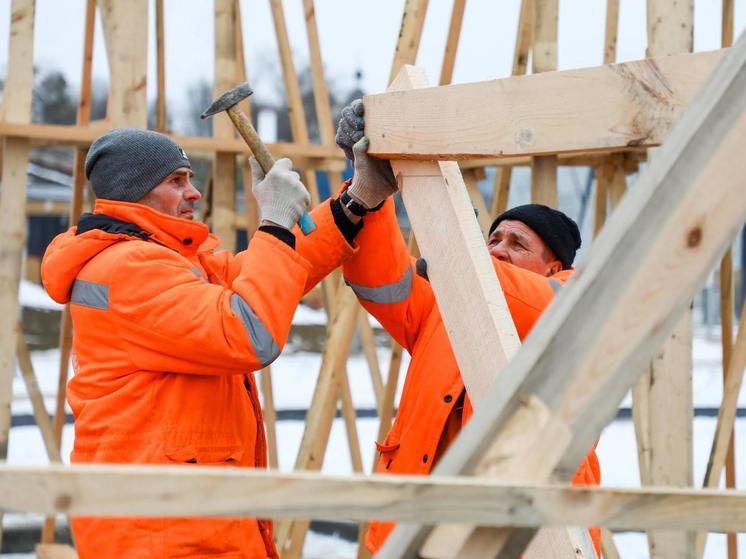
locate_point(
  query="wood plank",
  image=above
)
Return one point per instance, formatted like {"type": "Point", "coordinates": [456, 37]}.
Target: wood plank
{"type": "Point", "coordinates": [160, 56]}
{"type": "Point", "coordinates": [452, 41]}
{"type": "Point", "coordinates": [17, 108]}
{"type": "Point", "coordinates": [667, 232]}
{"type": "Point", "coordinates": [456, 255]}
{"type": "Point", "coordinates": [74, 211]}
{"type": "Point", "coordinates": [37, 399]}
{"type": "Point", "coordinates": [726, 40]}
{"type": "Point", "coordinates": [408, 42]}
{"type": "Point", "coordinates": [224, 164]}
{"type": "Point", "coordinates": [525, 37]}
{"type": "Point", "coordinates": [544, 59]}
{"type": "Point", "coordinates": [123, 490]}
{"type": "Point", "coordinates": [293, 97]}
{"type": "Point", "coordinates": [125, 28]}
{"type": "Point", "coordinates": [670, 412]}
{"type": "Point", "coordinates": [610, 32]}
{"type": "Point", "coordinates": [726, 417]}
{"type": "Point", "coordinates": [55, 551]}
{"type": "Point", "coordinates": [83, 136]}
{"type": "Point", "coordinates": [609, 107]}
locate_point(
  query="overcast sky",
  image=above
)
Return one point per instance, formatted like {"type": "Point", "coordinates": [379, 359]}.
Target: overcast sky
{"type": "Point", "coordinates": [355, 34]}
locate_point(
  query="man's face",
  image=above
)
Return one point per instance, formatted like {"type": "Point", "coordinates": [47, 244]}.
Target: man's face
{"type": "Point", "coordinates": [175, 195]}
{"type": "Point", "coordinates": [515, 242]}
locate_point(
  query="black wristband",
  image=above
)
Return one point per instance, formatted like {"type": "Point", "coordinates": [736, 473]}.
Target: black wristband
{"type": "Point", "coordinates": [348, 229]}
{"type": "Point", "coordinates": [280, 233]}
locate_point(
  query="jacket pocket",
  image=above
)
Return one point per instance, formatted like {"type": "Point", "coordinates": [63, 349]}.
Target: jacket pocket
{"type": "Point", "coordinates": [387, 450]}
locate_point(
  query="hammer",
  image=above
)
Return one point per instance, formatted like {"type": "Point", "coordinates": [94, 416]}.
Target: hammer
{"type": "Point", "coordinates": [228, 102]}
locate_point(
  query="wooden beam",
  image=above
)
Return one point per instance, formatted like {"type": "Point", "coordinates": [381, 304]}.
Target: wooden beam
{"type": "Point", "coordinates": [452, 41]}
{"type": "Point", "coordinates": [83, 136]}
{"type": "Point", "coordinates": [454, 248]}
{"type": "Point", "coordinates": [36, 398]}
{"type": "Point", "coordinates": [668, 232]}
{"type": "Point", "coordinates": [160, 55]}
{"type": "Point", "coordinates": [55, 551]}
{"type": "Point", "coordinates": [74, 212]}
{"type": "Point", "coordinates": [605, 108]}
{"type": "Point", "coordinates": [126, 34]}
{"type": "Point", "coordinates": [726, 417]}
{"type": "Point", "coordinates": [17, 107]}
{"type": "Point", "coordinates": [544, 59]}
{"type": "Point", "coordinates": [410, 33]}
{"type": "Point", "coordinates": [112, 490]}
{"type": "Point", "coordinates": [296, 112]}
{"type": "Point", "coordinates": [610, 33]}
{"type": "Point", "coordinates": [224, 164]}
{"type": "Point", "coordinates": [668, 381]}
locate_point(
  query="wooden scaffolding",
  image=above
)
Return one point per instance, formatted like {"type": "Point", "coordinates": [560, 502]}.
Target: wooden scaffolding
{"type": "Point", "coordinates": [501, 487]}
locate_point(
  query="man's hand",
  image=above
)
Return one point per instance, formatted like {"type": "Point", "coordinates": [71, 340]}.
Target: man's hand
{"type": "Point", "coordinates": [373, 181]}
{"type": "Point", "coordinates": [280, 195]}
{"type": "Point", "coordinates": [350, 127]}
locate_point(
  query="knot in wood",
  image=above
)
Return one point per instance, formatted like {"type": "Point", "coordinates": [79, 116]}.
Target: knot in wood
{"type": "Point", "coordinates": [525, 137]}
{"type": "Point", "coordinates": [694, 237]}
{"type": "Point", "coordinates": [62, 502]}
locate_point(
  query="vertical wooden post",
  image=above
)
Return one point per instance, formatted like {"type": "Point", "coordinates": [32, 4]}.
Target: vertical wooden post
{"type": "Point", "coordinates": [523, 41]}
{"type": "Point", "coordinates": [410, 33]}
{"type": "Point", "coordinates": [544, 168]}
{"type": "Point", "coordinates": [76, 208]}
{"type": "Point", "coordinates": [126, 34]}
{"type": "Point", "coordinates": [664, 419]}
{"type": "Point", "coordinates": [160, 55]}
{"type": "Point", "coordinates": [224, 164]}
{"type": "Point", "coordinates": [17, 107]}
{"type": "Point", "coordinates": [727, 296]}
{"type": "Point", "coordinates": [454, 31]}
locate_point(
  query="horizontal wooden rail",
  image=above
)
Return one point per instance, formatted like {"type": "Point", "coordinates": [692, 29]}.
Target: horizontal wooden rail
{"type": "Point", "coordinates": [312, 155]}
{"type": "Point", "coordinates": [208, 491]}
{"type": "Point", "coordinates": [617, 106]}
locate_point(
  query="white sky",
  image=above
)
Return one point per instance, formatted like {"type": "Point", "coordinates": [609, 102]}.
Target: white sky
{"type": "Point", "coordinates": [354, 34]}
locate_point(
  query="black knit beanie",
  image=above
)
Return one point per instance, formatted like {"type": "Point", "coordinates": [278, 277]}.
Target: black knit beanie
{"type": "Point", "coordinates": [558, 231]}
{"type": "Point", "coordinates": [127, 163]}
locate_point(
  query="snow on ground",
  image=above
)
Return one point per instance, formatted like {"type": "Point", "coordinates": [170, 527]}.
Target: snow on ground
{"type": "Point", "coordinates": [33, 295]}
{"type": "Point", "coordinates": [294, 376]}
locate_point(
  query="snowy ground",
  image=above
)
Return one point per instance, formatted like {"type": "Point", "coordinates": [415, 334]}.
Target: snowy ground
{"type": "Point", "coordinates": [294, 377]}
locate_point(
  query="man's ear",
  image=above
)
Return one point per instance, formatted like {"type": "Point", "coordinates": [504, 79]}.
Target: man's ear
{"type": "Point", "coordinates": [554, 267]}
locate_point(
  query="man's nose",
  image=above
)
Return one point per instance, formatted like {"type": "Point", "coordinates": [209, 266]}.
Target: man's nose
{"type": "Point", "coordinates": [500, 253]}
{"type": "Point", "coordinates": [192, 193]}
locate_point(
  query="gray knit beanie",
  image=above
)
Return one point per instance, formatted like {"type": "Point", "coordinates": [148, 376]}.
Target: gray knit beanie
{"type": "Point", "coordinates": [127, 163]}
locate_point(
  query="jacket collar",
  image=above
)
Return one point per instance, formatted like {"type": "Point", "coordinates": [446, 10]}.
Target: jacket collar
{"type": "Point", "coordinates": [182, 235]}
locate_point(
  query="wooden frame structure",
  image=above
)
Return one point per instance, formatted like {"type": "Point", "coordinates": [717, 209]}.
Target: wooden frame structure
{"type": "Point", "coordinates": [533, 422]}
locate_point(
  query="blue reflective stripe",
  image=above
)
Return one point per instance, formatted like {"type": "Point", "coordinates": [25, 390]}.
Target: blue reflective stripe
{"type": "Point", "coordinates": [89, 294]}
{"type": "Point", "coordinates": [265, 347]}
{"type": "Point", "coordinates": [197, 272]}
{"type": "Point", "coordinates": [555, 285]}
{"type": "Point", "coordinates": [386, 294]}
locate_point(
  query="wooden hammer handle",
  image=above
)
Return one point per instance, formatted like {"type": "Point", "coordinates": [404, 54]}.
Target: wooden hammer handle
{"type": "Point", "coordinates": [248, 133]}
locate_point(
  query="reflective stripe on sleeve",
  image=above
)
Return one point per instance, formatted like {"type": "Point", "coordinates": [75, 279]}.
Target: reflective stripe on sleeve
{"type": "Point", "coordinates": [89, 294]}
{"type": "Point", "coordinates": [386, 294]}
{"type": "Point", "coordinates": [555, 285]}
{"type": "Point", "coordinates": [265, 347]}
{"type": "Point", "coordinates": [197, 272]}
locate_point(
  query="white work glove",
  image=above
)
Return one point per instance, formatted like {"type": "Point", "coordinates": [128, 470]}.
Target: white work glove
{"type": "Point", "coordinates": [280, 195]}
{"type": "Point", "coordinates": [373, 181]}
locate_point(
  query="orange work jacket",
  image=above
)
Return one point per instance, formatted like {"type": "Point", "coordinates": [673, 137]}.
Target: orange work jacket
{"type": "Point", "coordinates": [166, 334]}
{"type": "Point", "coordinates": [382, 274]}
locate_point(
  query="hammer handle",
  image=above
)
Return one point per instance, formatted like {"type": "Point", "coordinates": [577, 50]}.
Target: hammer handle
{"type": "Point", "coordinates": [260, 151]}
{"type": "Point", "coordinates": [248, 133]}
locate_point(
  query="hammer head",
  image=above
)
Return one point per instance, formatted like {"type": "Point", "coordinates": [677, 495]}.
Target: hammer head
{"type": "Point", "coordinates": [228, 99]}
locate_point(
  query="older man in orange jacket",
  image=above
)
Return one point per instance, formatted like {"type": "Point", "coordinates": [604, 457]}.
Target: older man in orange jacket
{"type": "Point", "coordinates": [167, 330]}
{"type": "Point", "coordinates": [532, 248]}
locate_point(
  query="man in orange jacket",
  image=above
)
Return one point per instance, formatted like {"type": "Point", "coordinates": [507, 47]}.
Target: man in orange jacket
{"type": "Point", "coordinates": [532, 249]}
{"type": "Point", "coordinates": [167, 331]}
